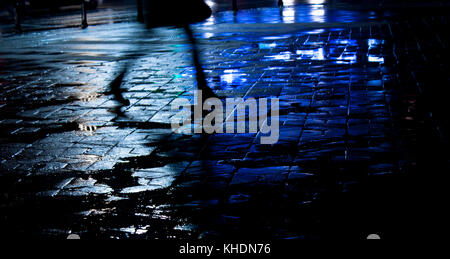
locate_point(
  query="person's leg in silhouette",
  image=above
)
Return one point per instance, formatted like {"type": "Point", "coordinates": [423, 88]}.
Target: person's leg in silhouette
{"type": "Point", "coordinates": [181, 13]}
{"type": "Point", "coordinates": [158, 20]}
{"type": "Point", "coordinates": [140, 11]}
{"type": "Point", "coordinates": [116, 85]}
{"type": "Point", "coordinates": [18, 13]}
{"type": "Point", "coordinates": [200, 74]}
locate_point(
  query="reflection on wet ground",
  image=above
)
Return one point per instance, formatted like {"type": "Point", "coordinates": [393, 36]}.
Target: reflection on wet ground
{"type": "Point", "coordinates": [349, 124]}
{"type": "Point", "coordinates": [316, 13]}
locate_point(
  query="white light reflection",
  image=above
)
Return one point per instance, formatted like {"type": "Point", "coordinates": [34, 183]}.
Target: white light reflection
{"type": "Point", "coordinates": [286, 56]}
{"type": "Point", "coordinates": [376, 59]}
{"type": "Point", "coordinates": [233, 76]}
{"type": "Point", "coordinates": [317, 13]}
{"type": "Point", "coordinates": [288, 2]}
{"type": "Point", "coordinates": [210, 3]}
{"type": "Point", "coordinates": [315, 2]}
{"type": "Point", "coordinates": [347, 59]}
{"type": "Point", "coordinates": [373, 44]}
{"type": "Point", "coordinates": [317, 31]}
{"type": "Point", "coordinates": [208, 35]}
{"type": "Point", "coordinates": [267, 45]}
{"type": "Point", "coordinates": [311, 54]}
{"type": "Point", "coordinates": [210, 21]}
{"type": "Point", "coordinates": [288, 15]}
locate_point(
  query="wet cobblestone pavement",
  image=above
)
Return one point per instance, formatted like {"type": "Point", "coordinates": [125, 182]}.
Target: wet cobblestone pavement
{"type": "Point", "coordinates": [360, 124]}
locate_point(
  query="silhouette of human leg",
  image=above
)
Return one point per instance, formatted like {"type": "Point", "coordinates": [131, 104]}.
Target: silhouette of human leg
{"type": "Point", "coordinates": [140, 11]}
{"type": "Point", "coordinates": [18, 15]}
{"type": "Point", "coordinates": [200, 75]}
{"type": "Point", "coordinates": [116, 89]}
{"type": "Point", "coordinates": [280, 3]}
{"type": "Point", "coordinates": [117, 92]}
{"type": "Point", "coordinates": [235, 7]}
{"type": "Point", "coordinates": [84, 23]}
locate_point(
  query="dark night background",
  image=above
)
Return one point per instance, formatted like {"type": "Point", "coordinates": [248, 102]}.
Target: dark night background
{"type": "Point", "coordinates": [363, 138]}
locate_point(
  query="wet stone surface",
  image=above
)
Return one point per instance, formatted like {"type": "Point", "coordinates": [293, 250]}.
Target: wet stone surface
{"type": "Point", "coordinates": [349, 127]}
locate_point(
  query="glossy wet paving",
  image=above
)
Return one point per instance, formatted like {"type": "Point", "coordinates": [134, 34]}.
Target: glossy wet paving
{"type": "Point", "coordinates": [348, 83]}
